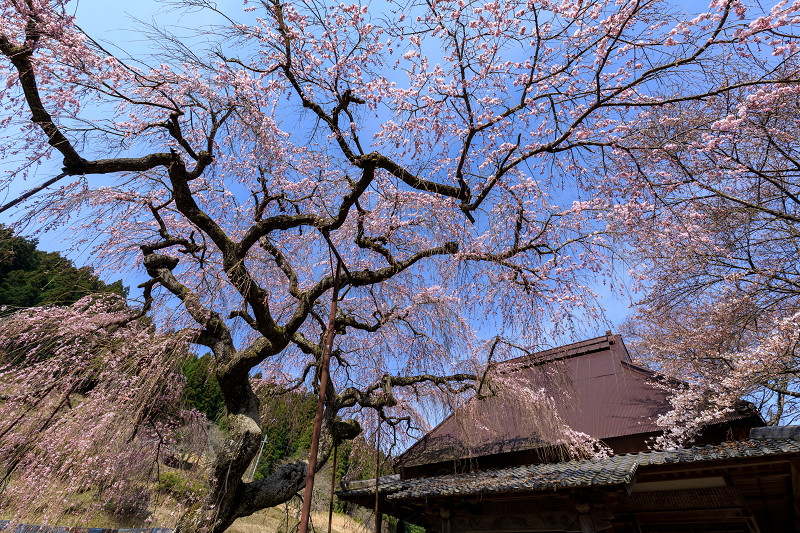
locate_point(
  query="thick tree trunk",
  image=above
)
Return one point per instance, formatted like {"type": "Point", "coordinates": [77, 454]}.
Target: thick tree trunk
{"type": "Point", "coordinates": [218, 510]}
{"type": "Point", "coordinates": [231, 497]}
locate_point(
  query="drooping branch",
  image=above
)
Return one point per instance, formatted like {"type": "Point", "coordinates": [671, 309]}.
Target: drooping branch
{"type": "Point", "coordinates": [362, 278]}
{"type": "Point", "coordinates": [21, 57]}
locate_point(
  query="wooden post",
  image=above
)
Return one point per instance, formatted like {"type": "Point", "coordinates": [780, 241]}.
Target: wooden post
{"type": "Point", "coordinates": [378, 516]}
{"type": "Point", "coordinates": [445, 514]}
{"type": "Point", "coordinates": [323, 389]}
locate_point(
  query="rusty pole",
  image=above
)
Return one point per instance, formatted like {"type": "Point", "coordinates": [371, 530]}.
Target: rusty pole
{"type": "Point", "coordinates": [323, 387]}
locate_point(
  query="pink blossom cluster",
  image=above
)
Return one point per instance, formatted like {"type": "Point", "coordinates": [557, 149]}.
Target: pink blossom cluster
{"type": "Point", "coordinates": [90, 400]}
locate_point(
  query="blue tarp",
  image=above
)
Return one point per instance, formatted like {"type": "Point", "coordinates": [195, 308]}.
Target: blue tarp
{"type": "Point", "coordinates": [32, 528]}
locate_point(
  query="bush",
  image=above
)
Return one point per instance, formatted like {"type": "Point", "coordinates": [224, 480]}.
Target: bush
{"type": "Point", "coordinates": [179, 487]}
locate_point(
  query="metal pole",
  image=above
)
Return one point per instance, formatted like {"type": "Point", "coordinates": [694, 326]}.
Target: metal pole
{"type": "Point", "coordinates": [323, 387]}
{"type": "Point", "coordinates": [333, 486]}
{"type": "Point", "coordinates": [378, 514]}
{"type": "Point", "coordinates": [258, 457]}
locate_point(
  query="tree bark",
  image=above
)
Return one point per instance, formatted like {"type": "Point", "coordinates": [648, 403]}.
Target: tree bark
{"type": "Point", "coordinates": [231, 497]}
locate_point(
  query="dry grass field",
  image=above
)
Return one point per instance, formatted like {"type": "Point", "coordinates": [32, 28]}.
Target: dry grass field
{"type": "Point", "coordinates": [284, 519]}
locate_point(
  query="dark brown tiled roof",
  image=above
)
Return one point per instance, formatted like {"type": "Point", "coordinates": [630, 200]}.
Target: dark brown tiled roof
{"type": "Point", "coordinates": [614, 470]}
{"type": "Point", "coordinates": [597, 389]}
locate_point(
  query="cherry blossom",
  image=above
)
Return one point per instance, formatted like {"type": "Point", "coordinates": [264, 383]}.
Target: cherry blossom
{"type": "Point", "coordinates": [472, 163]}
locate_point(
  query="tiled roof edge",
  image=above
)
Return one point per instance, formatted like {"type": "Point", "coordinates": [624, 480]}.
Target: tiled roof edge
{"type": "Point", "coordinates": [614, 470]}
{"type": "Point", "coordinates": [775, 432]}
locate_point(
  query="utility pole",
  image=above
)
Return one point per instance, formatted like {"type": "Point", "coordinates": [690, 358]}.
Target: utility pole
{"type": "Point", "coordinates": [323, 389]}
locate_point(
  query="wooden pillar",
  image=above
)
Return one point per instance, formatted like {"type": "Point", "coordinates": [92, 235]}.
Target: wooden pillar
{"type": "Point", "coordinates": [585, 518]}
{"type": "Point", "coordinates": [795, 471]}
{"type": "Point", "coordinates": [446, 515]}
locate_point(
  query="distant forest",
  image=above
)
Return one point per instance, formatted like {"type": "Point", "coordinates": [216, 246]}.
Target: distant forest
{"type": "Point", "coordinates": [30, 277]}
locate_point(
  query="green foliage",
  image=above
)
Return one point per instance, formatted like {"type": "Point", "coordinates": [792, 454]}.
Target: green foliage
{"type": "Point", "coordinates": [356, 461]}
{"type": "Point", "coordinates": [202, 391]}
{"type": "Point", "coordinates": [343, 453]}
{"type": "Point", "coordinates": [31, 277]}
{"type": "Point", "coordinates": [288, 422]}
{"type": "Point", "coordinates": [402, 527]}
{"type": "Point", "coordinates": [178, 486]}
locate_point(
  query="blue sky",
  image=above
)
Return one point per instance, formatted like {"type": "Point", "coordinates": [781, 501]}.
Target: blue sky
{"type": "Point", "coordinates": [112, 23]}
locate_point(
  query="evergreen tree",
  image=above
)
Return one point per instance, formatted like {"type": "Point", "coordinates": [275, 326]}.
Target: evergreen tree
{"type": "Point", "coordinates": [202, 391]}
{"type": "Point", "coordinates": [288, 421]}
{"type": "Point", "coordinates": [31, 277]}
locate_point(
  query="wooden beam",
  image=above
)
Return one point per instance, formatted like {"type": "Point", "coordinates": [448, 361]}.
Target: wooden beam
{"type": "Point", "coordinates": [689, 516]}
{"type": "Point", "coordinates": [795, 464]}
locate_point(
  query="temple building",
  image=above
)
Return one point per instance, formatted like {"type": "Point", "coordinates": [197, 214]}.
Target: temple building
{"type": "Point", "coordinates": [494, 466]}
